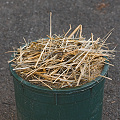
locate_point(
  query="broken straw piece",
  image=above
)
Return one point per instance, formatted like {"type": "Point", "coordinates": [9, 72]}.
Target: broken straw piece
{"type": "Point", "coordinates": [42, 53]}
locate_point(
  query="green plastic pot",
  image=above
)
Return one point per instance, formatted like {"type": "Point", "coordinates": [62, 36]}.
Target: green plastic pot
{"type": "Point", "coordinates": [40, 103]}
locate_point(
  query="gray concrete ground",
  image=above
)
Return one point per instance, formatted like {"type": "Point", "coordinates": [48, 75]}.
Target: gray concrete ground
{"type": "Point", "coordinates": [30, 19]}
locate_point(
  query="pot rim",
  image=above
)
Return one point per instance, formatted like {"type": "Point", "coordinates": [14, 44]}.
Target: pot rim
{"type": "Point", "coordinates": [72, 89]}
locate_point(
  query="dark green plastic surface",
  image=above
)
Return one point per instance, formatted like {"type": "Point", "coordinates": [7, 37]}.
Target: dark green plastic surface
{"type": "Point", "coordinates": [41, 103]}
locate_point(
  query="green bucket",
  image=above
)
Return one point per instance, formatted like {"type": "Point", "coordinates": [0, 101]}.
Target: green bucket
{"type": "Point", "coordinates": [40, 103]}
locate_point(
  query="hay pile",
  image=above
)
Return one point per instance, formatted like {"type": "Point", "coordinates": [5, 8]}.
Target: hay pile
{"type": "Point", "coordinates": [61, 61]}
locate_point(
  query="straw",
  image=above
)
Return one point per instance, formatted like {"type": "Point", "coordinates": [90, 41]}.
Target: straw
{"type": "Point", "coordinates": [61, 61]}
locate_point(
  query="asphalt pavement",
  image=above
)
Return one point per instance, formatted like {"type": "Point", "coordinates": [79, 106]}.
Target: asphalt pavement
{"type": "Point", "coordinates": [30, 19]}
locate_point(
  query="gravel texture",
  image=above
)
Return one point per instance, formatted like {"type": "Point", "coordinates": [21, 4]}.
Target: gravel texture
{"type": "Point", "coordinates": [30, 19]}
